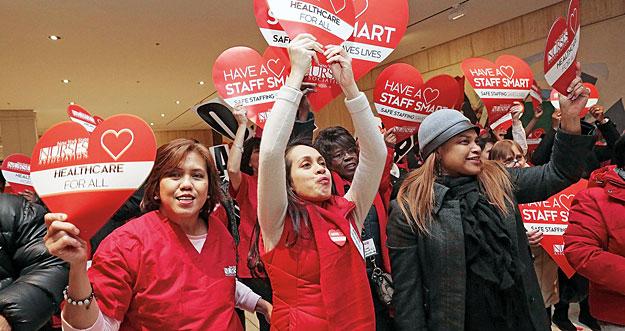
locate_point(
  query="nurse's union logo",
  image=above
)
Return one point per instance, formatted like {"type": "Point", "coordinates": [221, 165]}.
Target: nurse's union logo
{"type": "Point", "coordinates": [230, 271]}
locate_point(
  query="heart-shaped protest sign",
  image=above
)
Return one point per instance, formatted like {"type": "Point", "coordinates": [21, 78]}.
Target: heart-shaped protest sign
{"type": "Point", "coordinates": [561, 49]}
{"type": "Point", "coordinates": [244, 77]}
{"type": "Point", "coordinates": [378, 29]}
{"type": "Point", "coordinates": [551, 217]}
{"type": "Point", "coordinates": [89, 176]}
{"type": "Point", "coordinates": [219, 118]}
{"type": "Point", "coordinates": [403, 100]}
{"type": "Point", "coordinates": [82, 116]}
{"type": "Point", "coordinates": [330, 21]}
{"type": "Point", "coordinates": [499, 85]}
{"type": "Point", "coordinates": [593, 98]}
{"type": "Point", "coordinates": [16, 171]}
{"type": "Point", "coordinates": [534, 139]}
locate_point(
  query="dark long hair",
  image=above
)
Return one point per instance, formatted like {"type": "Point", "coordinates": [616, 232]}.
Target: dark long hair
{"type": "Point", "coordinates": [248, 148]}
{"type": "Point", "coordinates": [296, 209]}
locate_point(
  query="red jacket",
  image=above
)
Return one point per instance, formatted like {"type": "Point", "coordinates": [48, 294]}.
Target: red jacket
{"type": "Point", "coordinates": [595, 243]}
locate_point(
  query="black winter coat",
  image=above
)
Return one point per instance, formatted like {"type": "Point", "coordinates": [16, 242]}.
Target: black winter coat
{"type": "Point", "coordinates": [31, 280]}
{"type": "Point", "coordinates": [429, 271]}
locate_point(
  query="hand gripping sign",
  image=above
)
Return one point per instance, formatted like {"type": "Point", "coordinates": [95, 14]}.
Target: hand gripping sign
{"type": "Point", "coordinates": [403, 100]}
{"type": "Point", "coordinates": [83, 117]}
{"type": "Point", "coordinates": [499, 85]}
{"type": "Point", "coordinates": [89, 176]}
{"type": "Point", "coordinates": [551, 217]}
{"type": "Point", "coordinates": [378, 29]}
{"type": "Point", "coordinates": [244, 77]}
{"type": "Point", "coordinates": [561, 49]}
{"type": "Point", "coordinates": [593, 98]}
{"type": "Point", "coordinates": [16, 171]}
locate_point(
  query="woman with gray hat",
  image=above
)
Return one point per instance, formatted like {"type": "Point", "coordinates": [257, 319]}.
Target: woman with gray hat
{"type": "Point", "coordinates": [459, 253]}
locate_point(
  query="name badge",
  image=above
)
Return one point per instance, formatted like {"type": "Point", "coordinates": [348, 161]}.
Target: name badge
{"type": "Point", "coordinates": [356, 240]}
{"type": "Point", "coordinates": [369, 246]}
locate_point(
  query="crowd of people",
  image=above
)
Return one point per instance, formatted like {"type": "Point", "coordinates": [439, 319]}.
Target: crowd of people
{"type": "Point", "coordinates": [315, 234]}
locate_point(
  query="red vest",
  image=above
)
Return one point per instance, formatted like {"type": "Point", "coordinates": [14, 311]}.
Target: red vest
{"type": "Point", "coordinates": [148, 275]}
{"type": "Point", "coordinates": [319, 284]}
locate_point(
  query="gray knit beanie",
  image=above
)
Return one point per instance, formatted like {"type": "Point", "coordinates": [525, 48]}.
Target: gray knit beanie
{"type": "Point", "coordinates": [439, 127]}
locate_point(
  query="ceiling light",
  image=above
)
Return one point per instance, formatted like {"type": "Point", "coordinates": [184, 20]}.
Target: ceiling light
{"type": "Point", "coordinates": [201, 82]}
{"type": "Point", "coordinates": [65, 81]}
{"type": "Point", "coordinates": [162, 115]}
{"type": "Point", "coordinates": [53, 37]}
{"type": "Point", "coordinates": [457, 11]}
{"type": "Point", "coordinates": [71, 103]}
{"type": "Point", "coordinates": [177, 102]}
{"type": "Point", "coordinates": [152, 123]}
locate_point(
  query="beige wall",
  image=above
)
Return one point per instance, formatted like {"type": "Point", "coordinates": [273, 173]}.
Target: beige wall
{"type": "Point", "coordinates": [18, 131]}
{"type": "Point", "coordinates": [203, 136]}
{"type": "Point", "coordinates": [602, 41]}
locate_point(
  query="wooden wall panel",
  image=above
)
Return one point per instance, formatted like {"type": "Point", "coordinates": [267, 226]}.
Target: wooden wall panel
{"type": "Point", "coordinates": [203, 136]}
{"type": "Point", "coordinates": [19, 131]}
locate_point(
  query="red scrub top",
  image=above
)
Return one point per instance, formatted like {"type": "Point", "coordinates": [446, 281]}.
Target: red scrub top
{"type": "Point", "coordinates": [318, 283]}
{"type": "Point", "coordinates": [148, 275]}
{"type": "Point", "coordinates": [246, 197]}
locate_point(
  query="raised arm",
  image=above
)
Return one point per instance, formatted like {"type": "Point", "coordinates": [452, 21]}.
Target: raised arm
{"type": "Point", "coordinates": [370, 141]}
{"type": "Point", "coordinates": [566, 166]}
{"type": "Point", "coordinates": [272, 196]}
{"type": "Point", "coordinates": [518, 133]}
{"type": "Point", "coordinates": [236, 152]}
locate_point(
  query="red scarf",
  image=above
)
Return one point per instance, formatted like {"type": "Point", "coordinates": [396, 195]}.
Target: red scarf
{"type": "Point", "coordinates": [344, 283]}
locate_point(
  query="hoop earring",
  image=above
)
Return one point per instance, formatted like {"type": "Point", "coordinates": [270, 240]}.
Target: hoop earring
{"type": "Point", "coordinates": [156, 197]}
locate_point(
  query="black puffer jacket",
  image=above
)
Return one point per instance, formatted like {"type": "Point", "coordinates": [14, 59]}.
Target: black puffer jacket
{"type": "Point", "coordinates": [31, 280]}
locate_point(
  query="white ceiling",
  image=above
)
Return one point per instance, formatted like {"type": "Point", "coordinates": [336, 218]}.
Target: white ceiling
{"type": "Point", "coordinates": [109, 51]}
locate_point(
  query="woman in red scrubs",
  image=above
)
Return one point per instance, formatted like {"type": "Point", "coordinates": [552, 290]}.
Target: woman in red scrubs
{"type": "Point", "coordinates": [311, 244]}
{"type": "Point", "coordinates": [173, 268]}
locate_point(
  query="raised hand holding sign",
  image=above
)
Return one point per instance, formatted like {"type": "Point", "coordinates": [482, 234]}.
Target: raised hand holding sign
{"type": "Point", "coordinates": [88, 176]}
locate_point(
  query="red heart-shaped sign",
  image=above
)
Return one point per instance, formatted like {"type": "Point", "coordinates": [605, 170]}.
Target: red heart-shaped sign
{"type": "Point", "coordinates": [460, 101]}
{"type": "Point", "coordinates": [551, 217]}
{"type": "Point", "coordinates": [89, 176]}
{"type": "Point", "coordinates": [244, 77]}
{"type": "Point", "coordinates": [82, 116]}
{"type": "Point", "coordinates": [337, 237]}
{"type": "Point", "coordinates": [534, 139]}
{"type": "Point", "coordinates": [561, 49]}
{"type": "Point", "coordinates": [16, 171]}
{"type": "Point", "coordinates": [330, 21]}
{"type": "Point", "coordinates": [593, 98]}
{"type": "Point", "coordinates": [499, 85]}
{"type": "Point", "coordinates": [403, 100]}
{"type": "Point", "coordinates": [378, 29]}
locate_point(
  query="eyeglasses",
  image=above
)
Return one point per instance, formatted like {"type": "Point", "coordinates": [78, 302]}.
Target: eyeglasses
{"type": "Point", "coordinates": [515, 161]}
